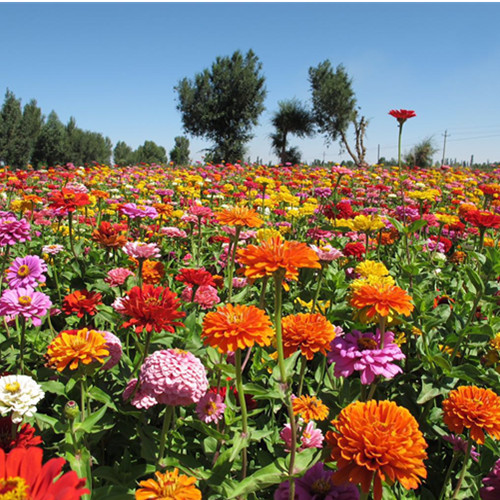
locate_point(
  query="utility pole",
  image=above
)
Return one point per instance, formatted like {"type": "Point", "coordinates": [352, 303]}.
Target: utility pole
{"type": "Point", "coordinates": [444, 145]}
{"type": "Point", "coordinates": [471, 160]}
{"type": "Point", "coordinates": [378, 153]}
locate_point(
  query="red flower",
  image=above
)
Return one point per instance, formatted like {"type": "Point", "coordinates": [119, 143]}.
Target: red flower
{"type": "Point", "coordinates": [81, 302]}
{"type": "Point", "coordinates": [402, 115]}
{"type": "Point", "coordinates": [68, 199]}
{"type": "Point", "coordinates": [24, 438]}
{"type": "Point", "coordinates": [151, 308]}
{"type": "Point", "coordinates": [445, 241]}
{"type": "Point", "coordinates": [195, 277]}
{"type": "Point", "coordinates": [483, 219]}
{"type": "Point", "coordinates": [23, 475]}
{"type": "Point", "coordinates": [356, 250]}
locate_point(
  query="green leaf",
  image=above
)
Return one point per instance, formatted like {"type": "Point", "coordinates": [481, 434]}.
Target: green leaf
{"type": "Point", "coordinates": [415, 226]}
{"type": "Point", "coordinates": [88, 424]}
{"type": "Point", "coordinates": [475, 279]}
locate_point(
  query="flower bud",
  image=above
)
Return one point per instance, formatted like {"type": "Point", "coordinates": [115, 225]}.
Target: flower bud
{"type": "Point", "coordinates": [71, 410]}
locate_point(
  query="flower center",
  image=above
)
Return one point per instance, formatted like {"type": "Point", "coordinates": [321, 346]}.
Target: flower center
{"type": "Point", "coordinates": [12, 388]}
{"type": "Point", "coordinates": [14, 488]}
{"type": "Point", "coordinates": [69, 196]}
{"type": "Point", "coordinates": [321, 486]}
{"type": "Point", "coordinates": [24, 300]}
{"type": "Point", "coordinates": [211, 408]}
{"type": "Point", "coordinates": [23, 271]}
{"type": "Point", "coordinates": [365, 343]}
{"type": "Point", "coordinates": [180, 351]}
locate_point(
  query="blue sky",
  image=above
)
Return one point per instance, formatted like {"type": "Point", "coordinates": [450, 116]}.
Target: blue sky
{"type": "Point", "coordinates": [113, 66]}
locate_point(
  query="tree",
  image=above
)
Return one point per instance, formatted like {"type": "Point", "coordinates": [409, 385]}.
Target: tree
{"type": "Point", "coordinates": [150, 152]}
{"type": "Point", "coordinates": [180, 153]}
{"type": "Point", "coordinates": [223, 104]}
{"type": "Point", "coordinates": [334, 108]}
{"type": "Point", "coordinates": [421, 154]}
{"type": "Point", "coordinates": [12, 144]}
{"type": "Point", "coordinates": [292, 117]}
{"type": "Point", "coordinates": [31, 126]}
{"type": "Point", "coordinates": [50, 148]}
{"type": "Point", "coordinates": [123, 154]}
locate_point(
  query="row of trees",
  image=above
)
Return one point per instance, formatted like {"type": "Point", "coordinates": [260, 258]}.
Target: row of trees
{"type": "Point", "coordinates": [26, 136]}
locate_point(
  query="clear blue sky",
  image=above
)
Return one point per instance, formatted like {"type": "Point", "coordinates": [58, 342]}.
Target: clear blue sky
{"type": "Point", "coordinates": [113, 66]}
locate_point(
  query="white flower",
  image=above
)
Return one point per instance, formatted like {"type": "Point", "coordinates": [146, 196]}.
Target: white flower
{"type": "Point", "coordinates": [19, 394]}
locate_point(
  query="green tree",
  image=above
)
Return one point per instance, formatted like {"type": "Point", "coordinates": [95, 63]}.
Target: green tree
{"type": "Point", "coordinates": [150, 152]}
{"type": "Point", "coordinates": [421, 154]}
{"type": "Point", "coordinates": [123, 154]}
{"type": "Point", "coordinates": [51, 145]}
{"type": "Point", "coordinates": [223, 104]}
{"type": "Point", "coordinates": [31, 125]}
{"type": "Point", "coordinates": [180, 152]}
{"type": "Point", "coordinates": [12, 144]}
{"type": "Point", "coordinates": [292, 117]}
{"type": "Point", "coordinates": [334, 108]}
{"type": "Point", "coordinates": [84, 146]}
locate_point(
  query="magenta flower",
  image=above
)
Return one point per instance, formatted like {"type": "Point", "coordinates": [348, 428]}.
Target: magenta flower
{"type": "Point", "coordinates": [206, 296]}
{"type": "Point", "coordinates": [141, 250]}
{"type": "Point", "coordinates": [26, 271]}
{"type": "Point", "coordinates": [173, 232]}
{"type": "Point", "coordinates": [26, 303]}
{"type": "Point", "coordinates": [114, 346]}
{"type": "Point", "coordinates": [52, 249]}
{"type": "Point", "coordinates": [361, 352]}
{"type": "Point", "coordinates": [170, 377]}
{"type": "Point", "coordinates": [491, 488]}
{"type": "Point", "coordinates": [316, 484]}
{"type": "Point", "coordinates": [134, 211]}
{"type": "Point", "coordinates": [310, 437]}
{"type": "Point", "coordinates": [460, 445]}
{"type": "Point", "coordinates": [327, 253]}
{"type": "Point", "coordinates": [210, 408]}
{"type": "Point", "coordinates": [13, 231]}
{"type": "Point", "coordinates": [118, 276]}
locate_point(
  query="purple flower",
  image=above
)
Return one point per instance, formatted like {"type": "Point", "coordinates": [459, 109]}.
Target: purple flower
{"type": "Point", "coordinates": [25, 302]}
{"type": "Point", "coordinates": [210, 408]}
{"type": "Point", "coordinates": [491, 488]}
{"type": "Point", "coordinates": [316, 484]}
{"type": "Point", "coordinates": [13, 231]}
{"type": "Point", "coordinates": [138, 212]}
{"type": "Point", "coordinates": [26, 271]}
{"type": "Point", "coordinates": [460, 445]}
{"type": "Point", "coordinates": [361, 352]}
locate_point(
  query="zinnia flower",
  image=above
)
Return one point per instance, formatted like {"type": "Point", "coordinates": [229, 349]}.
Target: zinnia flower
{"type": "Point", "coordinates": [310, 437]}
{"type": "Point", "coordinates": [402, 115]}
{"type": "Point", "coordinates": [236, 327]}
{"type": "Point", "coordinates": [327, 253]}
{"type": "Point", "coordinates": [168, 486]}
{"type": "Point", "coordinates": [19, 395]}
{"type": "Point", "coordinates": [72, 347]}
{"type": "Point", "coordinates": [206, 296]}
{"type": "Point", "coordinates": [309, 408]}
{"type": "Point", "coordinates": [311, 333]}
{"type": "Point", "coordinates": [491, 488]}
{"type": "Point", "coordinates": [383, 300]}
{"type": "Point", "coordinates": [13, 231]}
{"type": "Point", "coordinates": [25, 302]}
{"type": "Point", "coordinates": [274, 254]}
{"type": "Point", "coordinates": [26, 271]}
{"type": "Point", "coordinates": [81, 302]}
{"type": "Point", "coordinates": [24, 437]}
{"type": "Point", "coordinates": [362, 352]}
{"type": "Point", "coordinates": [239, 216]}
{"type": "Point", "coordinates": [141, 250]}
{"type": "Point", "coordinates": [135, 211]}
{"type": "Point", "coordinates": [153, 272]}
{"type": "Point", "coordinates": [151, 308]}
{"type": "Point", "coordinates": [210, 408]}
{"type": "Point", "coordinates": [483, 219]}
{"type": "Point", "coordinates": [381, 438]}
{"type": "Point", "coordinates": [109, 236]}
{"type": "Point", "coordinates": [68, 199]}
{"type": "Point", "coordinates": [170, 377]}
{"type": "Point", "coordinates": [475, 409]}
{"type": "Point", "coordinates": [118, 276]}
{"type": "Point", "coordinates": [195, 277]}
{"type": "Point", "coordinates": [23, 476]}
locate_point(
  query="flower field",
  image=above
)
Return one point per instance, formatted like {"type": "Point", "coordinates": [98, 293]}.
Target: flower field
{"type": "Point", "coordinates": [249, 332]}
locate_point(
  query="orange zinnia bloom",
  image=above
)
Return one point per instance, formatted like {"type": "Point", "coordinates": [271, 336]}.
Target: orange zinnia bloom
{"type": "Point", "coordinates": [377, 440]}
{"type": "Point", "coordinates": [168, 486]}
{"type": "Point", "coordinates": [152, 272]}
{"type": "Point", "coordinates": [311, 333]}
{"type": "Point", "coordinates": [474, 408]}
{"type": "Point", "coordinates": [239, 216]}
{"type": "Point", "coordinates": [274, 254]}
{"type": "Point", "coordinates": [236, 327]}
{"type": "Point", "coordinates": [309, 408]}
{"type": "Point", "coordinates": [72, 347]}
{"type": "Point", "coordinates": [382, 299]}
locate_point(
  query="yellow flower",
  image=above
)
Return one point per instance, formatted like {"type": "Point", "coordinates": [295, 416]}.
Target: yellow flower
{"type": "Point", "coordinates": [366, 223]}
{"type": "Point", "coordinates": [447, 219]}
{"type": "Point", "coordinates": [371, 268]}
{"type": "Point", "coordinates": [342, 223]}
{"type": "Point", "coordinates": [266, 234]}
{"type": "Point", "coordinates": [372, 280]}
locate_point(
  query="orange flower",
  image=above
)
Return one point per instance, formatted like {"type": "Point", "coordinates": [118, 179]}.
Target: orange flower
{"type": "Point", "coordinates": [236, 327]}
{"type": "Point", "coordinates": [377, 440]}
{"type": "Point", "coordinates": [311, 333]}
{"type": "Point", "coordinates": [152, 272]}
{"type": "Point", "coordinates": [274, 254]}
{"type": "Point", "coordinates": [382, 299]}
{"type": "Point", "coordinates": [309, 408]}
{"type": "Point", "coordinates": [72, 347]}
{"type": "Point", "coordinates": [168, 486]}
{"type": "Point", "coordinates": [239, 216]}
{"type": "Point", "coordinates": [474, 408]}
{"type": "Point", "coordinates": [109, 235]}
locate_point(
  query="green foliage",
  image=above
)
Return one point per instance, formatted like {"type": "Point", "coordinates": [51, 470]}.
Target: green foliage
{"type": "Point", "coordinates": [85, 146]}
{"type": "Point", "coordinates": [12, 143]}
{"type": "Point", "coordinates": [150, 152]}
{"type": "Point", "coordinates": [123, 154]}
{"type": "Point", "coordinates": [421, 154]}
{"type": "Point", "coordinates": [51, 145]}
{"type": "Point", "coordinates": [223, 104]}
{"type": "Point", "coordinates": [180, 153]}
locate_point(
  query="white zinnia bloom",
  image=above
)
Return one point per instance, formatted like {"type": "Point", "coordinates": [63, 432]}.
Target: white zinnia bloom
{"type": "Point", "coordinates": [19, 394]}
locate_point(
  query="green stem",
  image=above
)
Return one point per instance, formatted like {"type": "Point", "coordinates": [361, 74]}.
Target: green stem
{"type": "Point", "coordinates": [56, 279]}
{"type": "Point", "coordinates": [464, 468]}
{"type": "Point", "coordinates": [303, 364]}
{"type": "Point", "coordinates": [70, 231]}
{"type": "Point", "coordinates": [399, 147]}
{"type": "Point", "coordinates": [22, 343]}
{"type": "Point", "coordinates": [83, 398]}
{"type": "Point", "coordinates": [167, 419]}
{"type": "Point", "coordinates": [262, 298]}
{"type": "Point", "coordinates": [243, 407]}
{"type": "Point", "coordinates": [448, 475]}
{"type": "Point", "coordinates": [230, 269]}
{"type": "Point", "coordinates": [318, 288]}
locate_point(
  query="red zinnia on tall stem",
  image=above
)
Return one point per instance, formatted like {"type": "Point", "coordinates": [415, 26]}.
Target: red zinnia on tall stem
{"type": "Point", "coordinates": [81, 302]}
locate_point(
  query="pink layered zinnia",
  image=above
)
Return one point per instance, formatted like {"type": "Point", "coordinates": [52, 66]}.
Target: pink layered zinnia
{"type": "Point", "coordinates": [141, 250]}
{"type": "Point", "coordinates": [327, 253]}
{"type": "Point", "coordinates": [206, 296]}
{"type": "Point", "coordinates": [26, 271]}
{"type": "Point", "coordinates": [170, 377]}
{"type": "Point", "coordinates": [310, 437]}
{"type": "Point", "coordinates": [118, 276]}
{"type": "Point", "coordinates": [114, 346]}
{"type": "Point", "coordinates": [210, 408]}
{"type": "Point", "coordinates": [13, 231]}
{"type": "Point", "coordinates": [25, 302]}
{"type": "Point", "coordinates": [173, 232]}
{"type": "Point", "coordinates": [361, 352]}
{"type": "Point", "coordinates": [134, 211]}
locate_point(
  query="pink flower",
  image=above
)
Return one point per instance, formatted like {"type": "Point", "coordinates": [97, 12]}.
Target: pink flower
{"type": "Point", "coordinates": [13, 231]}
{"type": "Point", "coordinates": [327, 253]}
{"type": "Point", "coordinates": [117, 304]}
{"type": "Point", "coordinates": [170, 377]}
{"type": "Point", "coordinates": [25, 302]}
{"type": "Point", "coordinates": [310, 437]}
{"type": "Point", "coordinates": [491, 488]}
{"type": "Point", "coordinates": [200, 211]}
{"type": "Point", "coordinates": [52, 249]}
{"type": "Point", "coordinates": [206, 296]}
{"type": "Point", "coordinates": [134, 211]}
{"type": "Point", "coordinates": [239, 282]}
{"type": "Point", "coordinates": [114, 346]}
{"type": "Point", "coordinates": [141, 250]}
{"type": "Point", "coordinates": [173, 232]}
{"type": "Point", "coordinates": [118, 276]}
{"type": "Point", "coordinates": [361, 352]}
{"type": "Point", "coordinates": [210, 408]}
{"type": "Point", "coordinates": [26, 271]}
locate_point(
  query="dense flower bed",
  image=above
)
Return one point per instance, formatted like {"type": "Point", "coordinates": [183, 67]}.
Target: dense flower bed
{"type": "Point", "coordinates": [246, 331]}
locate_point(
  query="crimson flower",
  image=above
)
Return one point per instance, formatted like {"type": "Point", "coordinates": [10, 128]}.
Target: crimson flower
{"type": "Point", "coordinates": [81, 302]}
{"type": "Point", "coordinates": [68, 199]}
{"type": "Point", "coordinates": [402, 115]}
{"type": "Point", "coordinates": [195, 277]}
